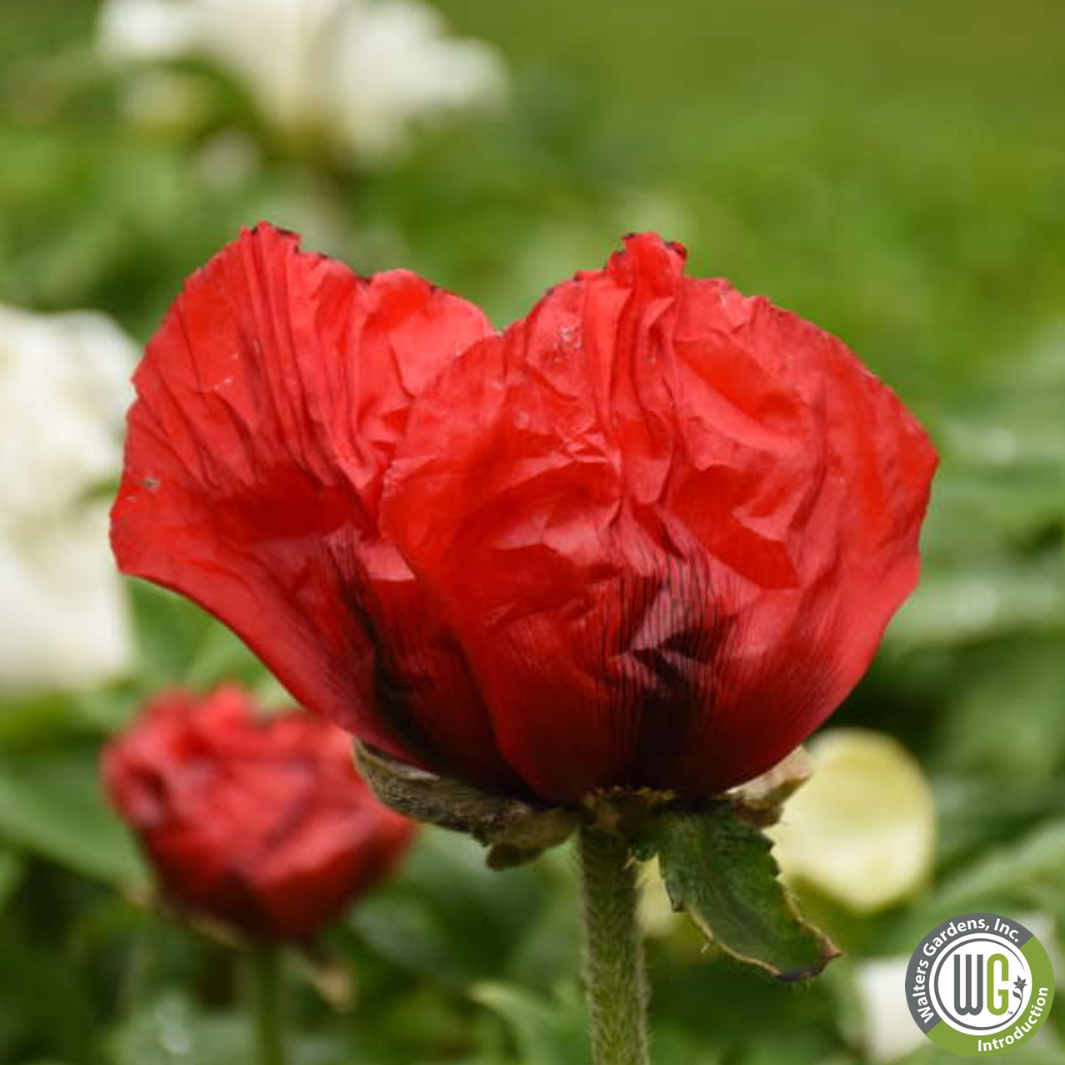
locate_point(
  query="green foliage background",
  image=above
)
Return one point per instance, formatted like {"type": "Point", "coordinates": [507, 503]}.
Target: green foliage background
{"type": "Point", "coordinates": [896, 172]}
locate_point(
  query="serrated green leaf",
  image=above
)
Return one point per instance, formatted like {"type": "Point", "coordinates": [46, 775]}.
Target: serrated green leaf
{"type": "Point", "coordinates": [720, 870]}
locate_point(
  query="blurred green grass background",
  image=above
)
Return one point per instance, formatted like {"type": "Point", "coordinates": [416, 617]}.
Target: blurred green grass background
{"type": "Point", "coordinates": [894, 172]}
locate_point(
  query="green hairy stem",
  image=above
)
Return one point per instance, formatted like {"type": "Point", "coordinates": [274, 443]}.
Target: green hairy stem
{"type": "Point", "coordinates": [614, 972]}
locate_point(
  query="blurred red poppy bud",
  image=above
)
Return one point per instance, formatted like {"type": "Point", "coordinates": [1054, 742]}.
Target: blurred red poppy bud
{"type": "Point", "coordinates": [649, 536]}
{"type": "Point", "coordinates": [260, 823]}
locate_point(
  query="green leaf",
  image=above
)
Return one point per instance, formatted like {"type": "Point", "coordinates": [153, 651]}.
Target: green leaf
{"type": "Point", "coordinates": [547, 1031]}
{"type": "Point", "coordinates": [449, 916]}
{"type": "Point", "coordinates": [182, 644]}
{"type": "Point", "coordinates": [1017, 871]}
{"type": "Point", "coordinates": [51, 803]}
{"type": "Point", "coordinates": [675, 1046]}
{"type": "Point", "coordinates": [50, 998]}
{"type": "Point", "coordinates": [10, 875]}
{"type": "Point", "coordinates": [1021, 676]}
{"type": "Point", "coordinates": [720, 870]}
{"type": "Point", "coordinates": [171, 1029]}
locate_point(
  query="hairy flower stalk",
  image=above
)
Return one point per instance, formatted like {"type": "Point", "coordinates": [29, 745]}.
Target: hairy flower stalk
{"type": "Point", "coordinates": [614, 971]}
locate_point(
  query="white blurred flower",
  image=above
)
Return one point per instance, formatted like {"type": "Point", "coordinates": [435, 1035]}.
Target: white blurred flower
{"type": "Point", "coordinates": [363, 72]}
{"type": "Point", "coordinates": [888, 1029]}
{"type": "Point", "coordinates": [63, 395]}
{"type": "Point", "coordinates": [146, 29]}
{"type": "Point", "coordinates": [862, 829]}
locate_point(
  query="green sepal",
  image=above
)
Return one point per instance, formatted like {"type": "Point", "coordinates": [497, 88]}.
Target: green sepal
{"type": "Point", "coordinates": [718, 867]}
{"type": "Point", "coordinates": [514, 831]}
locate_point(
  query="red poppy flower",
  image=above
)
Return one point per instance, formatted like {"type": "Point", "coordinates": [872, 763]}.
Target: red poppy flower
{"type": "Point", "coordinates": [263, 824]}
{"type": "Point", "coordinates": [649, 535]}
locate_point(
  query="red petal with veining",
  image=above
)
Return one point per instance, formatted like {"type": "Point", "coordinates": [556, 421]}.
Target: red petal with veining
{"type": "Point", "coordinates": [270, 403]}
